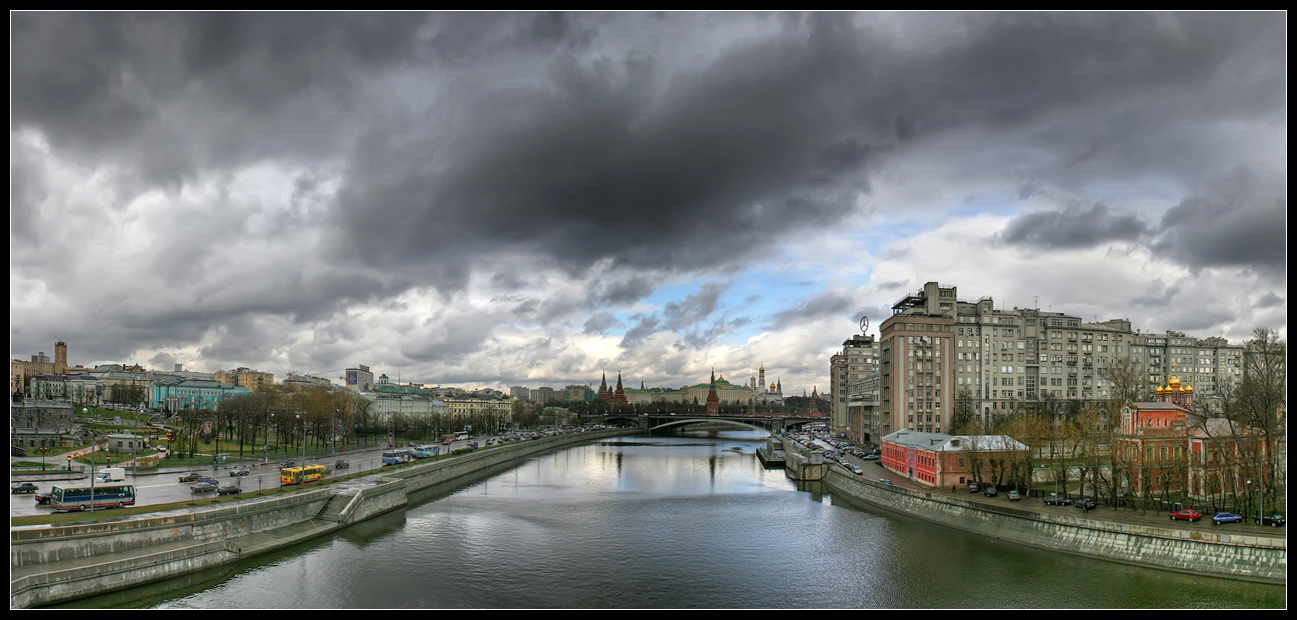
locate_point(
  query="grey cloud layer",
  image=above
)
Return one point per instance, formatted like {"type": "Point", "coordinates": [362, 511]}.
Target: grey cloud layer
{"type": "Point", "coordinates": [616, 148]}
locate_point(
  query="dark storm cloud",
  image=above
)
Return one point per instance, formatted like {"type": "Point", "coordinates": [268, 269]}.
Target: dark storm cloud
{"type": "Point", "coordinates": [597, 165]}
{"type": "Point", "coordinates": [1242, 223]}
{"type": "Point", "coordinates": [600, 322]}
{"type": "Point", "coordinates": [1073, 228]}
{"type": "Point", "coordinates": [695, 307]}
{"type": "Point", "coordinates": [621, 292]}
{"type": "Point", "coordinates": [1270, 300]}
{"type": "Point", "coordinates": [823, 303]}
{"type": "Point", "coordinates": [645, 325]}
{"type": "Point", "coordinates": [1158, 296]}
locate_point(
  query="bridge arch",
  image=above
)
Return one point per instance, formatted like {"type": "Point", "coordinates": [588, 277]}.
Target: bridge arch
{"type": "Point", "coordinates": [686, 422]}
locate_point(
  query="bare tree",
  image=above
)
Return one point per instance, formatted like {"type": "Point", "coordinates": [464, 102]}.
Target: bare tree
{"type": "Point", "coordinates": [1260, 401]}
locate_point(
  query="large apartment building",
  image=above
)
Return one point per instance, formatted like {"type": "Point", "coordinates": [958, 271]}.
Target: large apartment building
{"type": "Point", "coordinates": [936, 351]}
{"type": "Point", "coordinates": [858, 358]}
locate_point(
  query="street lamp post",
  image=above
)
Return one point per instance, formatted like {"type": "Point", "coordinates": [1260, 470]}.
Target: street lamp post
{"type": "Point", "coordinates": [85, 412]}
{"type": "Point", "coordinates": [303, 419]}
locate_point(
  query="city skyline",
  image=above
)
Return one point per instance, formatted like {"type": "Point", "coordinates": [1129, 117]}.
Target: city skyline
{"type": "Point", "coordinates": [496, 199]}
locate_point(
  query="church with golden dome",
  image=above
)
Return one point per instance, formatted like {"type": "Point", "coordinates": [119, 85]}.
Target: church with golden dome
{"type": "Point", "coordinates": [1170, 447]}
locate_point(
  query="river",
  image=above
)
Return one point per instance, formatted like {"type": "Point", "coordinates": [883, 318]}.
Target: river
{"type": "Point", "coordinates": [669, 522]}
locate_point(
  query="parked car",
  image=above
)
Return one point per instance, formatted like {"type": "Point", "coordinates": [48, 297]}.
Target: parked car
{"type": "Point", "coordinates": [990, 492]}
{"type": "Point", "coordinates": [241, 470]}
{"type": "Point", "coordinates": [973, 487]}
{"type": "Point", "coordinates": [1087, 503]}
{"type": "Point", "coordinates": [192, 476]}
{"type": "Point", "coordinates": [870, 457]}
{"type": "Point", "coordinates": [1188, 514]}
{"type": "Point", "coordinates": [1054, 499]}
{"type": "Point", "coordinates": [42, 498]}
{"type": "Point", "coordinates": [1274, 520]}
{"type": "Point", "coordinates": [202, 487]}
{"type": "Point", "coordinates": [24, 487]}
{"type": "Point", "coordinates": [228, 489]}
{"type": "Point", "coordinates": [1226, 517]}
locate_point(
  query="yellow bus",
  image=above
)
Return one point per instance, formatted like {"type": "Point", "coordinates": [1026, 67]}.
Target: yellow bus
{"type": "Point", "coordinates": [302, 475]}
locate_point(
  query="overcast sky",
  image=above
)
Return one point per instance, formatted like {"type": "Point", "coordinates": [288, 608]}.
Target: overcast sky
{"type": "Point", "coordinates": [496, 199]}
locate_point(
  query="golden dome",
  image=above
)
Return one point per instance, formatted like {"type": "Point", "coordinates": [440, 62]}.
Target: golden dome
{"type": "Point", "coordinates": [1188, 388]}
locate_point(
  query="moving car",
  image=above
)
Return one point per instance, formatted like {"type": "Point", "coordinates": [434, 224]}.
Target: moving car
{"type": "Point", "coordinates": [1226, 517]}
{"type": "Point", "coordinates": [1054, 499]}
{"type": "Point", "coordinates": [1274, 520]}
{"type": "Point", "coordinates": [24, 487]}
{"type": "Point", "coordinates": [43, 498]}
{"type": "Point", "coordinates": [202, 487]}
{"type": "Point", "coordinates": [192, 476]}
{"type": "Point", "coordinates": [870, 457]}
{"type": "Point", "coordinates": [228, 489]}
{"type": "Point", "coordinates": [1188, 514]}
{"type": "Point", "coordinates": [241, 470]}
{"type": "Point", "coordinates": [885, 480]}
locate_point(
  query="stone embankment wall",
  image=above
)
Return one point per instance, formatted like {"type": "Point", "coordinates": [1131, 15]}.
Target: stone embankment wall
{"type": "Point", "coordinates": [52, 564]}
{"type": "Point", "coordinates": [1224, 553]}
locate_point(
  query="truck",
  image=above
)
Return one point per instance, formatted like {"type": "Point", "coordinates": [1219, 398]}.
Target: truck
{"type": "Point", "coordinates": [111, 474]}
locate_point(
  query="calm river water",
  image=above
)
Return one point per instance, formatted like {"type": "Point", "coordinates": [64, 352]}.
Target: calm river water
{"type": "Point", "coordinates": [670, 522]}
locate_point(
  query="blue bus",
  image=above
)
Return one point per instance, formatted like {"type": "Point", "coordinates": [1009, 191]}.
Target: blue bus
{"type": "Point", "coordinates": [424, 452]}
{"type": "Point", "coordinates": [110, 495]}
{"type": "Point", "coordinates": [398, 456]}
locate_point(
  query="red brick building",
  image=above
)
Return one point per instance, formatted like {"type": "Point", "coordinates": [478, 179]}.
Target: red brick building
{"type": "Point", "coordinates": [940, 460]}
{"type": "Point", "coordinates": [1167, 447]}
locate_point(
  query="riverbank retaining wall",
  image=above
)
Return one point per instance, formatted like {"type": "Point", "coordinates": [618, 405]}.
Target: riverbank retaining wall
{"type": "Point", "coordinates": [52, 564]}
{"type": "Point", "coordinates": [1218, 554]}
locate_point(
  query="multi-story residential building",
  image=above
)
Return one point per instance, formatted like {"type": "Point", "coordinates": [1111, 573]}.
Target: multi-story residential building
{"type": "Point", "coordinates": [938, 354]}
{"type": "Point", "coordinates": [862, 410]}
{"type": "Point", "coordinates": [519, 392]}
{"type": "Point", "coordinates": [252, 379]}
{"type": "Point", "coordinates": [542, 395]}
{"type": "Point", "coordinates": [578, 393]}
{"type": "Point", "coordinates": [858, 358]}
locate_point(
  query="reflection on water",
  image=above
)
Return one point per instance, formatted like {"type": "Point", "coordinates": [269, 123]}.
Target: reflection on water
{"type": "Point", "coordinates": [677, 522]}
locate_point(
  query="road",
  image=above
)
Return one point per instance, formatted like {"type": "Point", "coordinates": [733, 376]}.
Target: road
{"type": "Point", "coordinates": [163, 486]}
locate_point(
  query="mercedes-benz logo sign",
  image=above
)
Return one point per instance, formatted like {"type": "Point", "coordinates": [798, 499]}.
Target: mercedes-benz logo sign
{"type": "Point", "coordinates": [864, 324]}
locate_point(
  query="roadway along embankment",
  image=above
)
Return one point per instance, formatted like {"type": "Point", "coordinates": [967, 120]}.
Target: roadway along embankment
{"type": "Point", "coordinates": [52, 564]}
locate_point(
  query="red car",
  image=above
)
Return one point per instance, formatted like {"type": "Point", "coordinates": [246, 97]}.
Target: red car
{"type": "Point", "coordinates": [1186, 515]}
